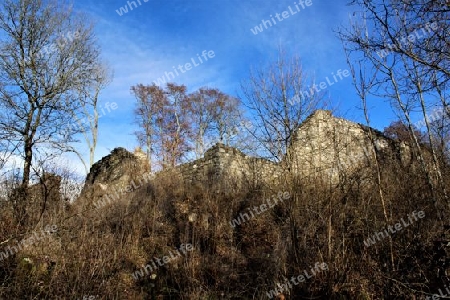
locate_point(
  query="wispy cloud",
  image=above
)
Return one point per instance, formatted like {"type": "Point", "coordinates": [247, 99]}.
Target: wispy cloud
{"type": "Point", "coordinates": [141, 46]}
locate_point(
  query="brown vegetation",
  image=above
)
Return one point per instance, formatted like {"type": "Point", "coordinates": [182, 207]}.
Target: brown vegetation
{"type": "Point", "coordinates": [96, 252]}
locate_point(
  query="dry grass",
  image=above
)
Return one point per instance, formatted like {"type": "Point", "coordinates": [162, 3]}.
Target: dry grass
{"type": "Point", "coordinates": [95, 252]}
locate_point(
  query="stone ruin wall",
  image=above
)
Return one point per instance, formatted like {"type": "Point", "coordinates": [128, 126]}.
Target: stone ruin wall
{"type": "Point", "coordinates": [231, 167]}
{"type": "Point", "coordinates": [323, 145]}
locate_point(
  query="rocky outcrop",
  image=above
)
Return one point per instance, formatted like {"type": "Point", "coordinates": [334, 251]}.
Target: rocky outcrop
{"type": "Point", "coordinates": [115, 167]}
{"type": "Point", "coordinates": [114, 175]}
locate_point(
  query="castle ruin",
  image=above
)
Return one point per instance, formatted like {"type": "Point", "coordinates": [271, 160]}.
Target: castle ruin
{"type": "Point", "coordinates": [323, 145]}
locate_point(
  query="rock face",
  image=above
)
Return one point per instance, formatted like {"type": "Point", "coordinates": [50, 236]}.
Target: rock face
{"type": "Point", "coordinates": [112, 168]}
{"type": "Point", "coordinates": [114, 175]}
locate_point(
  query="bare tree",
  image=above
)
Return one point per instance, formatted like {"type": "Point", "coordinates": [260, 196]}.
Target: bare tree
{"type": "Point", "coordinates": [162, 117]}
{"type": "Point", "coordinates": [399, 131]}
{"type": "Point", "coordinates": [201, 106]}
{"type": "Point", "coordinates": [227, 117]}
{"type": "Point", "coordinates": [214, 116]}
{"type": "Point", "coordinates": [407, 54]}
{"type": "Point", "coordinates": [172, 124]}
{"type": "Point", "coordinates": [88, 115]}
{"type": "Point", "coordinates": [280, 97]}
{"type": "Point", "coordinates": [45, 53]}
{"type": "Point", "coordinates": [177, 127]}
{"type": "Point", "coordinates": [440, 129]}
{"type": "Point", "coordinates": [363, 82]}
{"type": "Point", "coordinates": [148, 99]}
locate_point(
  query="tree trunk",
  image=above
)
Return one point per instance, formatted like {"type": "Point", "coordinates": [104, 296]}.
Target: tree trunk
{"type": "Point", "coordinates": [28, 151]}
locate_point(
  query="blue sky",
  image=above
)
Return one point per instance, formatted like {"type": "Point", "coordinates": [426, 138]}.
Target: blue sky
{"type": "Point", "coordinates": [147, 41]}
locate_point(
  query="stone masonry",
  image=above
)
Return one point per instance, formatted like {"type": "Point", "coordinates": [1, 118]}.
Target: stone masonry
{"type": "Point", "coordinates": [326, 145]}
{"type": "Point", "coordinates": [323, 145]}
{"type": "Point", "coordinates": [221, 162]}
